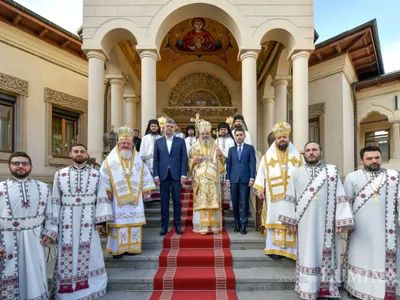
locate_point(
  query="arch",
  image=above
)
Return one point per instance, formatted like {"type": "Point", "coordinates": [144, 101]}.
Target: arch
{"type": "Point", "coordinates": [177, 10]}
{"type": "Point", "coordinates": [113, 31]}
{"type": "Point", "coordinates": [374, 109]}
{"type": "Point", "coordinates": [200, 83]}
{"type": "Point", "coordinates": [280, 30]}
{"type": "Point", "coordinates": [233, 86]}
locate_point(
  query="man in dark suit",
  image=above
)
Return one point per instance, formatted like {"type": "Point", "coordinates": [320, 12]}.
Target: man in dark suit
{"type": "Point", "coordinates": [241, 171]}
{"type": "Point", "coordinates": [169, 169]}
{"type": "Point", "coordinates": [136, 140]}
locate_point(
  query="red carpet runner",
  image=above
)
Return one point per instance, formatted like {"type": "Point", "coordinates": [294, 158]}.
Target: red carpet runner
{"type": "Point", "coordinates": [194, 266]}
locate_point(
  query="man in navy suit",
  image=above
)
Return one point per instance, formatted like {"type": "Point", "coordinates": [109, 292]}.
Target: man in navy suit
{"type": "Point", "coordinates": [169, 169]}
{"type": "Point", "coordinates": [241, 171]}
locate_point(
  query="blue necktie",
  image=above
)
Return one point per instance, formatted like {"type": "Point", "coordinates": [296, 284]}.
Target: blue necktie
{"type": "Point", "coordinates": [240, 152]}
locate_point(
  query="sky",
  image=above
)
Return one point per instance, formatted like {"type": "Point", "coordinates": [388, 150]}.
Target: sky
{"type": "Point", "coordinates": [331, 17]}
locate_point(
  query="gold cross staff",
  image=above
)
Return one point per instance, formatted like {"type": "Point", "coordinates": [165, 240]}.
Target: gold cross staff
{"type": "Point", "coordinates": [196, 123]}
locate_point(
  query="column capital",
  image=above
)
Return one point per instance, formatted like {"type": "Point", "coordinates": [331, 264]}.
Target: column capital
{"type": "Point", "coordinates": [395, 120]}
{"type": "Point", "coordinates": [248, 53]}
{"type": "Point", "coordinates": [116, 79]}
{"type": "Point", "coordinates": [151, 53]}
{"type": "Point", "coordinates": [96, 54]}
{"type": "Point", "coordinates": [268, 101]}
{"type": "Point", "coordinates": [280, 81]}
{"type": "Point", "coordinates": [131, 98]}
{"type": "Point", "coordinates": [300, 54]}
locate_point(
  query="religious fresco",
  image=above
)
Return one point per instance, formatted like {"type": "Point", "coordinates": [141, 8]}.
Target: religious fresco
{"type": "Point", "coordinates": [199, 36]}
{"type": "Point", "coordinates": [197, 39]}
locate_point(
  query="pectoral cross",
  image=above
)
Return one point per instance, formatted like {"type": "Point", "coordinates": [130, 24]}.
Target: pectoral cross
{"type": "Point", "coordinates": [376, 198]}
{"type": "Point", "coordinates": [196, 121]}
{"type": "Point", "coordinates": [316, 196]}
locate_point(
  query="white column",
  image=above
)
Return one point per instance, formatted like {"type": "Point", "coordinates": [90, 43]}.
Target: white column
{"type": "Point", "coordinates": [300, 98]}
{"type": "Point", "coordinates": [148, 83]}
{"type": "Point", "coordinates": [280, 86]}
{"type": "Point", "coordinates": [268, 119]}
{"type": "Point", "coordinates": [130, 112]}
{"type": "Point", "coordinates": [395, 140]}
{"type": "Point", "coordinates": [117, 83]}
{"type": "Point", "coordinates": [249, 92]}
{"type": "Point", "coordinates": [96, 104]}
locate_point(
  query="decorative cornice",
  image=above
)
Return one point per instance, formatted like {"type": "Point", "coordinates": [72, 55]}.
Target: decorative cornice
{"type": "Point", "coordinates": [203, 111]}
{"type": "Point", "coordinates": [200, 82]}
{"type": "Point", "coordinates": [315, 110]}
{"type": "Point", "coordinates": [65, 100]}
{"type": "Point", "coordinates": [13, 84]}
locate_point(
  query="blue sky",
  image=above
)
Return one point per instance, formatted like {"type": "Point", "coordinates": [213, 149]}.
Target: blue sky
{"type": "Point", "coordinates": [331, 17]}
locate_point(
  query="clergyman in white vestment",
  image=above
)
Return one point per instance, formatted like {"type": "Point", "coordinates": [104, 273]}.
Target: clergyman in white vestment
{"type": "Point", "coordinates": [275, 169]}
{"type": "Point", "coordinates": [25, 205]}
{"type": "Point", "coordinates": [372, 252]}
{"type": "Point", "coordinates": [147, 152]}
{"type": "Point", "coordinates": [127, 181]}
{"type": "Point", "coordinates": [317, 208]}
{"type": "Point", "coordinates": [80, 208]}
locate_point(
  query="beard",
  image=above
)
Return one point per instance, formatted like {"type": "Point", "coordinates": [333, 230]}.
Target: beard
{"type": "Point", "coordinates": [79, 161]}
{"type": "Point", "coordinates": [206, 142]}
{"type": "Point", "coordinates": [313, 162]}
{"type": "Point", "coordinates": [126, 154]}
{"type": "Point", "coordinates": [17, 175]}
{"type": "Point", "coordinates": [373, 167]}
{"type": "Point", "coordinates": [283, 147]}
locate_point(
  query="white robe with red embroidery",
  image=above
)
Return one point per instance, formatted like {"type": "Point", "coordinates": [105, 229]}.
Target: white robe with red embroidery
{"type": "Point", "coordinates": [79, 203]}
{"type": "Point", "coordinates": [24, 207]}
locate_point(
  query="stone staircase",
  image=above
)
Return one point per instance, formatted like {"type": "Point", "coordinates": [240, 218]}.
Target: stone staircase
{"type": "Point", "coordinates": [257, 276]}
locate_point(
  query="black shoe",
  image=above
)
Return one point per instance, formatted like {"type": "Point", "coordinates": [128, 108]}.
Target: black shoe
{"type": "Point", "coordinates": [163, 231]}
{"type": "Point", "coordinates": [178, 230]}
{"type": "Point", "coordinates": [243, 231]}
{"type": "Point", "coordinates": [118, 256]}
{"type": "Point", "coordinates": [274, 256]}
{"type": "Point", "coordinates": [237, 228]}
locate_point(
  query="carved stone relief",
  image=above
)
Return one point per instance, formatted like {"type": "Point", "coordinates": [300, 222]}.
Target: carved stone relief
{"type": "Point", "coordinates": [200, 82]}
{"type": "Point", "coordinates": [13, 84]}
{"type": "Point", "coordinates": [65, 100]}
{"type": "Point", "coordinates": [203, 111]}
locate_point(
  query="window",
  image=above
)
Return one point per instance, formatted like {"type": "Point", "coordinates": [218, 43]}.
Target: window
{"type": "Point", "coordinates": [7, 126]}
{"type": "Point", "coordinates": [64, 131]}
{"type": "Point", "coordinates": [313, 129]}
{"type": "Point", "coordinates": [379, 138]}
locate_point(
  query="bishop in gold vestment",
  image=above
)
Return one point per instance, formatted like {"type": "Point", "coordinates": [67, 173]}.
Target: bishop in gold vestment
{"type": "Point", "coordinates": [276, 167]}
{"type": "Point", "coordinates": [206, 163]}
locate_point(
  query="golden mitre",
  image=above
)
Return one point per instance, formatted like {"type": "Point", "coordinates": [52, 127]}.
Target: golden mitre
{"type": "Point", "coordinates": [125, 133]}
{"type": "Point", "coordinates": [281, 128]}
{"type": "Point", "coordinates": [204, 126]}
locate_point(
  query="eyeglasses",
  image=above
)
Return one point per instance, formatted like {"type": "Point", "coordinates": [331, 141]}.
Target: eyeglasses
{"type": "Point", "coordinates": [17, 163]}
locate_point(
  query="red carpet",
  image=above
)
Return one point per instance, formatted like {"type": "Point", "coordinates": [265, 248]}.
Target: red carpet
{"type": "Point", "coordinates": [194, 266]}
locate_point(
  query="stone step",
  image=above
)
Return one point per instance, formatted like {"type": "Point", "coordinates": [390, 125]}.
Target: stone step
{"type": "Point", "coordinates": [242, 259]}
{"type": "Point", "coordinates": [278, 295]}
{"type": "Point", "coordinates": [252, 240]}
{"type": "Point", "coordinates": [127, 295]}
{"type": "Point", "coordinates": [252, 279]}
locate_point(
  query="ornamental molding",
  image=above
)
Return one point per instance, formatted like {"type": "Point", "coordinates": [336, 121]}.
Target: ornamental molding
{"type": "Point", "coordinates": [65, 100]}
{"type": "Point", "coordinates": [203, 111]}
{"type": "Point", "coordinates": [13, 84]}
{"type": "Point", "coordinates": [315, 110]}
{"type": "Point", "coordinates": [200, 82]}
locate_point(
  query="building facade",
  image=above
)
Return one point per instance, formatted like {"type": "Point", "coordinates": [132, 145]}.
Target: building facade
{"type": "Point", "coordinates": [137, 60]}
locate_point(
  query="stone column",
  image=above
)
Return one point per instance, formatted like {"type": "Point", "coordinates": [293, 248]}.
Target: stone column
{"type": "Point", "coordinates": [130, 113]}
{"type": "Point", "coordinates": [96, 104]}
{"type": "Point", "coordinates": [280, 86]}
{"type": "Point", "coordinates": [117, 83]}
{"type": "Point", "coordinates": [300, 98]}
{"type": "Point", "coordinates": [396, 139]}
{"type": "Point", "coordinates": [148, 83]}
{"type": "Point", "coordinates": [268, 119]}
{"type": "Point", "coordinates": [249, 92]}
